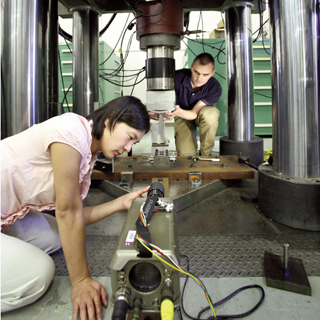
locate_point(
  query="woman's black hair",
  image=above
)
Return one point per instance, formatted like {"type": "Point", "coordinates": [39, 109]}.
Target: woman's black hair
{"type": "Point", "coordinates": [127, 109]}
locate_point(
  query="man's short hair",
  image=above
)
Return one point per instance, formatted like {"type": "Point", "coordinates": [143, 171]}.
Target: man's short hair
{"type": "Point", "coordinates": [204, 59]}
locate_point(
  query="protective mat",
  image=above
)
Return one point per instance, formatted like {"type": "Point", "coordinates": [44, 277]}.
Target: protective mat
{"type": "Point", "coordinates": [213, 256]}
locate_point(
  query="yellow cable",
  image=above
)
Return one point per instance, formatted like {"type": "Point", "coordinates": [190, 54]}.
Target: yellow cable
{"type": "Point", "coordinates": [189, 274]}
{"type": "Point", "coordinates": [167, 309]}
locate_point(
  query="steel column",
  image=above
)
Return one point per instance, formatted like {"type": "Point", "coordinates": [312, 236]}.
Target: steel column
{"type": "Point", "coordinates": [23, 64]}
{"type": "Point", "coordinates": [85, 59]}
{"type": "Point", "coordinates": [241, 140]}
{"type": "Point", "coordinates": [240, 73]}
{"type": "Point", "coordinates": [289, 190]}
{"type": "Point", "coordinates": [52, 59]}
{"type": "Point", "coordinates": [295, 53]}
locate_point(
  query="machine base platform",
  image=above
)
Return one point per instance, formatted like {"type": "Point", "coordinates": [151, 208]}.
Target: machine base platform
{"type": "Point", "coordinates": [227, 168]}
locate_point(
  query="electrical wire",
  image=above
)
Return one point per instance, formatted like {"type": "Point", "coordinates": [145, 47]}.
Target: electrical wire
{"type": "Point", "coordinates": [201, 18]}
{"type": "Point", "coordinates": [255, 286]}
{"type": "Point", "coordinates": [260, 3]}
{"type": "Point", "coordinates": [263, 95]}
{"type": "Point", "coordinates": [69, 37]}
{"type": "Point", "coordinates": [221, 51]}
{"type": "Point", "coordinates": [117, 41]}
{"type": "Point", "coordinates": [103, 30]}
{"type": "Point", "coordinates": [134, 85]}
{"type": "Point", "coordinates": [241, 315]}
{"type": "Point", "coordinates": [65, 94]}
{"type": "Point", "coordinates": [175, 266]}
{"type": "Point", "coordinates": [65, 40]}
{"type": "Point", "coordinates": [125, 86]}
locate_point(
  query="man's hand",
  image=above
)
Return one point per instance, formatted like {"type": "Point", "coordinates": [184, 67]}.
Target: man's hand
{"type": "Point", "coordinates": [185, 114]}
{"type": "Point", "coordinates": [86, 299]}
{"type": "Point", "coordinates": [129, 197]}
{"type": "Point", "coordinates": [177, 112]}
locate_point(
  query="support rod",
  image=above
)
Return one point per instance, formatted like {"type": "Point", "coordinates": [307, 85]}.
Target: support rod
{"type": "Point", "coordinates": [85, 59]}
{"type": "Point", "coordinates": [23, 64]}
{"type": "Point", "coordinates": [295, 53]}
{"type": "Point", "coordinates": [239, 72]}
{"type": "Point", "coordinates": [52, 51]}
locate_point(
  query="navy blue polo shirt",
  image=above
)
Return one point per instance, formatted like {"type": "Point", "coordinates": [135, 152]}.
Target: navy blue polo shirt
{"type": "Point", "coordinates": [186, 98]}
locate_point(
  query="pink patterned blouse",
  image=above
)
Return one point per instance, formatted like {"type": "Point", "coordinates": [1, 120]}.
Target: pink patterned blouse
{"type": "Point", "coordinates": [26, 168]}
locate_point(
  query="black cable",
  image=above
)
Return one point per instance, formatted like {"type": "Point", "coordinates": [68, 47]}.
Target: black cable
{"type": "Point", "coordinates": [117, 41]}
{"type": "Point", "coordinates": [134, 85]}
{"type": "Point", "coordinates": [206, 44]}
{"type": "Point", "coordinates": [125, 86]}
{"type": "Point", "coordinates": [120, 68]}
{"type": "Point", "coordinates": [189, 48]}
{"type": "Point", "coordinates": [241, 315]}
{"type": "Point", "coordinates": [65, 97]}
{"type": "Point", "coordinates": [263, 95]}
{"type": "Point", "coordinates": [65, 40]}
{"type": "Point", "coordinates": [68, 36]}
{"type": "Point", "coordinates": [200, 18]}
{"type": "Point", "coordinates": [129, 76]}
{"type": "Point", "coordinates": [64, 34]}
{"type": "Point", "coordinates": [101, 91]}
{"type": "Point", "coordinates": [103, 30]}
{"type": "Point", "coordinates": [179, 313]}
{"type": "Point", "coordinates": [221, 51]}
{"type": "Point", "coordinates": [260, 28]}
{"type": "Point", "coordinates": [237, 316]}
{"type": "Point", "coordinates": [184, 286]}
{"type": "Point", "coordinates": [210, 45]}
{"type": "Point", "coordinates": [220, 75]}
{"type": "Point", "coordinates": [261, 25]}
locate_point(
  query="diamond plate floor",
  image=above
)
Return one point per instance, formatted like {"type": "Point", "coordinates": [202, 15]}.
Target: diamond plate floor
{"type": "Point", "coordinates": [223, 236]}
{"type": "Point", "coordinates": [220, 256]}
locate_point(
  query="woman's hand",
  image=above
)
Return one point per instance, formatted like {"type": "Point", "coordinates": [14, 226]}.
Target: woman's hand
{"type": "Point", "coordinates": [87, 296]}
{"type": "Point", "coordinates": [153, 116]}
{"type": "Point", "coordinates": [128, 198]}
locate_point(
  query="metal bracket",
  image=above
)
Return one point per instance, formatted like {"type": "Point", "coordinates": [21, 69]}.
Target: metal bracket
{"type": "Point", "coordinates": [126, 179]}
{"type": "Point", "coordinates": [105, 165]}
{"type": "Point", "coordinates": [195, 179]}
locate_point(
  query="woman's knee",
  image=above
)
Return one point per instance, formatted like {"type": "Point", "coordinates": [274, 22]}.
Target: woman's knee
{"type": "Point", "coordinates": [26, 273]}
{"type": "Point", "coordinates": [38, 229]}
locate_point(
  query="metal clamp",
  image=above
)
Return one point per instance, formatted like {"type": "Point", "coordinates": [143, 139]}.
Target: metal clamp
{"type": "Point", "coordinates": [126, 179]}
{"type": "Point", "coordinates": [195, 179]}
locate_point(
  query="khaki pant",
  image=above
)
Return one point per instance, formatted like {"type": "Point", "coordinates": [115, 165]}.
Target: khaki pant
{"type": "Point", "coordinates": [185, 132]}
{"type": "Point", "coordinates": [26, 267]}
